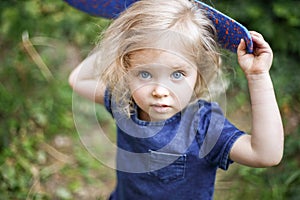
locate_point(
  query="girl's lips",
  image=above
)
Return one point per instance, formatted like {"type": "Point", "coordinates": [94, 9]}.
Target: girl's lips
{"type": "Point", "coordinates": [161, 108]}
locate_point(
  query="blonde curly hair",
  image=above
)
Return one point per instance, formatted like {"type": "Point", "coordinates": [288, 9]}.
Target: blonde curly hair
{"type": "Point", "coordinates": [179, 26]}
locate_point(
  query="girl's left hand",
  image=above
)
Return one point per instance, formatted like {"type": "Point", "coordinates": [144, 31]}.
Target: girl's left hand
{"type": "Point", "coordinates": [260, 61]}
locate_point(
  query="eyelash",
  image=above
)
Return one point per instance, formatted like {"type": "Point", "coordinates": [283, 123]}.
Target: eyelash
{"type": "Point", "coordinates": [146, 75]}
{"type": "Point", "coordinates": [182, 74]}
{"type": "Point", "coordinates": [141, 73]}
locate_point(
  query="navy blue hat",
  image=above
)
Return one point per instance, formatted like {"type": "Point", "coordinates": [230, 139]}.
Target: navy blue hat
{"type": "Point", "coordinates": [230, 32]}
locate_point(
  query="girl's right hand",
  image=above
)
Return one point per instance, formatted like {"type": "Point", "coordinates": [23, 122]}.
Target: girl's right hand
{"type": "Point", "coordinates": [260, 61]}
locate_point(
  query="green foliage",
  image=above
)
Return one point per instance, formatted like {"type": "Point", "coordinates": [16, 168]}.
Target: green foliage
{"type": "Point", "coordinates": [281, 182]}
{"type": "Point", "coordinates": [17, 168]}
{"type": "Point", "coordinates": [279, 22]}
{"type": "Point", "coordinates": [24, 93]}
{"type": "Point", "coordinates": [47, 18]}
{"type": "Point", "coordinates": [35, 107]}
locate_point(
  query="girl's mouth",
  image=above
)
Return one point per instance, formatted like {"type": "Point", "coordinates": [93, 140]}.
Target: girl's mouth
{"type": "Point", "coordinates": [161, 108]}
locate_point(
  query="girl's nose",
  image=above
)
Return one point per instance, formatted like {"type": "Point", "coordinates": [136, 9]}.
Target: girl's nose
{"type": "Point", "coordinates": [160, 91]}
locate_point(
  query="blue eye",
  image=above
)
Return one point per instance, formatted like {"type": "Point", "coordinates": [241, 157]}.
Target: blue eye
{"type": "Point", "coordinates": [177, 75]}
{"type": "Point", "coordinates": [144, 75]}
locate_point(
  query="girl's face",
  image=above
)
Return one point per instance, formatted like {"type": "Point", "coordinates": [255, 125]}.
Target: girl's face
{"type": "Point", "coordinates": [161, 83]}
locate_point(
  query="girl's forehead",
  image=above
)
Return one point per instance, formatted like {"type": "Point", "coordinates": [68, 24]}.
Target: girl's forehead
{"type": "Point", "coordinates": [159, 57]}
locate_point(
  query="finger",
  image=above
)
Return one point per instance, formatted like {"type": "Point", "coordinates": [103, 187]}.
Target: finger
{"type": "Point", "coordinates": [241, 50]}
{"type": "Point", "coordinates": [254, 33]}
{"type": "Point", "coordinates": [261, 46]}
{"type": "Point", "coordinates": [259, 42]}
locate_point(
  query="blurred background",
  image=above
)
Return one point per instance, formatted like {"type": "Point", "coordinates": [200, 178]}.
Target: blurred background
{"type": "Point", "coordinates": [41, 153]}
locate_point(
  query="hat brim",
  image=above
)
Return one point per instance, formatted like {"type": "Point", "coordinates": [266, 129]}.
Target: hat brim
{"type": "Point", "coordinates": [229, 31]}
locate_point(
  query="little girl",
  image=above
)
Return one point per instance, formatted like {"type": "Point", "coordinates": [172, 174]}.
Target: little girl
{"type": "Point", "coordinates": [152, 69]}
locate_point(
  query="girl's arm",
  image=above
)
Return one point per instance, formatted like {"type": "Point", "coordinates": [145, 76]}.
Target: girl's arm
{"type": "Point", "coordinates": [84, 81]}
{"type": "Point", "coordinates": [264, 147]}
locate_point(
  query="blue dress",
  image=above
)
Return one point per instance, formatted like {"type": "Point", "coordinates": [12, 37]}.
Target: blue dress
{"type": "Point", "coordinates": [172, 159]}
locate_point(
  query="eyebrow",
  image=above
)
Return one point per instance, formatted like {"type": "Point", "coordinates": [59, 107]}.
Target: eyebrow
{"type": "Point", "coordinates": [173, 67]}
{"type": "Point", "coordinates": [177, 67]}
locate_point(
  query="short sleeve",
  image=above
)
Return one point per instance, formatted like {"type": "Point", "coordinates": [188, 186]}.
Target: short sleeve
{"type": "Point", "coordinates": [216, 135]}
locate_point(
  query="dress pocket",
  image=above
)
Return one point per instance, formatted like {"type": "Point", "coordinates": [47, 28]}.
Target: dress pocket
{"type": "Point", "coordinates": [167, 167]}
